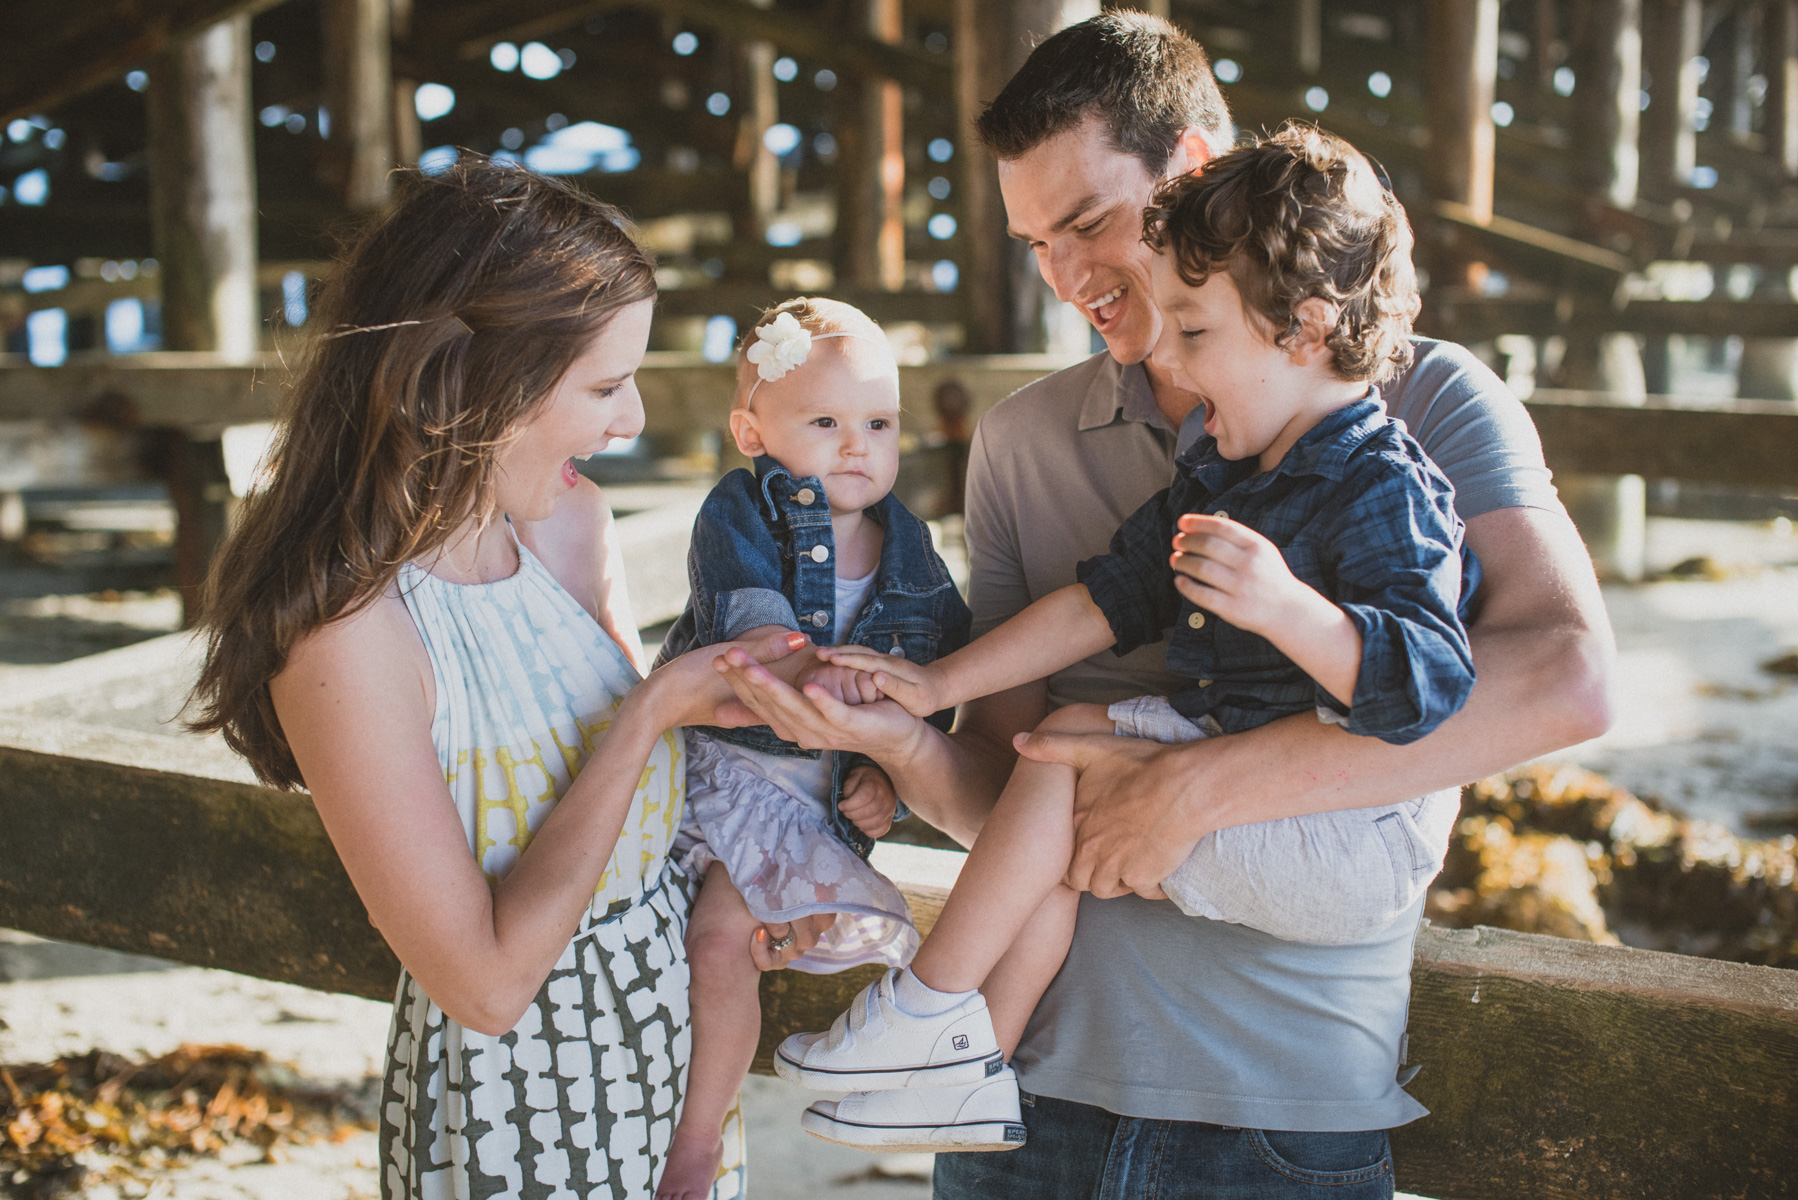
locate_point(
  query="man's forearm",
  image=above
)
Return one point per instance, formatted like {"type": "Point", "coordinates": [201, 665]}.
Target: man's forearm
{"type": "Point", "coordinates": [1534, 696]}
{"type": "Point", "coordinates": [949, 782]}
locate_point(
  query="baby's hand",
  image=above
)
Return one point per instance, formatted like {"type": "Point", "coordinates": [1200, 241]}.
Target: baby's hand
{"type": "Point", "coordinates": [869, 800]}
{"type": "Point", "coordinates": [1229, 569]}
{"type": "Point", "coordinates": [920, 690]}
{"type": "Point", "coordinates": [847, 685]}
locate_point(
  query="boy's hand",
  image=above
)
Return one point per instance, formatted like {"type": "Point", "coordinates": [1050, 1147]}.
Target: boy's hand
{"type": "Point", "coordinates": [845, 684]}
{"type": "Point", "coordinates": [920, 690]}
{"type": "Point", "coordinates": [869, 800]}
{"type": "Point", "coordinates": [1229, 569]}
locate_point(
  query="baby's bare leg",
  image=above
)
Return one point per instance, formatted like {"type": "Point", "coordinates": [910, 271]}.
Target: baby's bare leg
{"type": "Point", "coordinates": [727, 1022]}
{"type": "Point", "coordinates": [1009, 921]}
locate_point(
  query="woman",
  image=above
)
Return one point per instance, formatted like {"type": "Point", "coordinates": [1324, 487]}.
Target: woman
{"type": "Point", "coordinates": [423, 620]}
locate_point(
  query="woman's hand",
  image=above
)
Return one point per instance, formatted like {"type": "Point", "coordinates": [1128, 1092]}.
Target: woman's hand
{"type": "Point", "coordinates": [688, 690]}
{"type": "Point", "coordinates": [805, 933]}
{"type": "Point", "coordinates": [814, 718]}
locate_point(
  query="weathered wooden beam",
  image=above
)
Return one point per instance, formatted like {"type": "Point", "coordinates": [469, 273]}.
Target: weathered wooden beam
{"type": "Point", "coordinates": [472, 28]}
{"type": "Point", "coordinates": [1560, 1069]}
{"type": "Point", "coordinates": [50, 53]}
{"type": "Point", "coordinates": [1553, 1068]}
{"type": "Point", "coordinates": [1479, 318]}
{"type": "Point", "coordinates": [1750, 443]}
{"type": "Point", "coordinates": [1537, 253]}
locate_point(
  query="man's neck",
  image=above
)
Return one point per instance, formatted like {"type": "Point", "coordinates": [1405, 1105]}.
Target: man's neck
{"type": "Point", "coordinates": [1175, 402]}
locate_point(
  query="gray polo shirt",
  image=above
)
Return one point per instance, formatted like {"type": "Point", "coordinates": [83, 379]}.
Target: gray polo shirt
{"type": "Point", "coordinates": [1156, 1014]}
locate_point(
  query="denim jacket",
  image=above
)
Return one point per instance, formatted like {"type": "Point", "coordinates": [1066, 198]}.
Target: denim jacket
{"type": "Point", "coordinates": [763, 554]}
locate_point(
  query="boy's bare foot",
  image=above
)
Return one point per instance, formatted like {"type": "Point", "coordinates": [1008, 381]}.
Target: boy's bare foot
{"type": "Point", "coordinates": [691, 1169]}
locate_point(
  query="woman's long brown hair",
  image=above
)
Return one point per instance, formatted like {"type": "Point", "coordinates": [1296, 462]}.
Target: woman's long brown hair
{"type": "Point", "coordinates": [446, 325]}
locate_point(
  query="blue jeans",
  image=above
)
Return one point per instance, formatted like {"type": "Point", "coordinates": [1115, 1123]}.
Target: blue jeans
{"type": "Point", "coordinates": [1077, 1152]}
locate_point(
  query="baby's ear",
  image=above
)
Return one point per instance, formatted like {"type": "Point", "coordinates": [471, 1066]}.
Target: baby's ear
{"type": "Point", "coordinates": [744, 431]}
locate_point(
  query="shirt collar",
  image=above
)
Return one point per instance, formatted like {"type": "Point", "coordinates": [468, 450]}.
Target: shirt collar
{"type": "Point", "coordinates": [1118, 391]}
{"type": "Point", "coordinates": [1324, 449]}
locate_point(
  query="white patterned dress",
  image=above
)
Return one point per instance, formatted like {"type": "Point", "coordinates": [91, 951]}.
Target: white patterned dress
{"type": "Point", "coordinates": [580, 1099]}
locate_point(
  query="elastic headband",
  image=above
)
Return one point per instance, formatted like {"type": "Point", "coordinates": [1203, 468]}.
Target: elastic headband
{"type": "Point", "coordinates": [781, 345]}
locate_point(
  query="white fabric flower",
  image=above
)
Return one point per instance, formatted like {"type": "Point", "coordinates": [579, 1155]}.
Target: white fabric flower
{"type": "Point", "coordinates": [780, 345]}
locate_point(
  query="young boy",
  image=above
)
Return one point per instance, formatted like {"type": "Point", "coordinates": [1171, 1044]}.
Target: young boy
{"type": "Point", "coordinates": [1318, 565]}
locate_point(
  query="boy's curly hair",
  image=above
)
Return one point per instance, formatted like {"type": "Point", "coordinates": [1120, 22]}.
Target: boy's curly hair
{"type": "Point", "coordinates": [1291, 216]}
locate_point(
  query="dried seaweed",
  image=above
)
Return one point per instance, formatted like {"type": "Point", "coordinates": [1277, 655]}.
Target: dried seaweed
{"type": "Point", "coordinates": [101, 1111]}
{"type": "Point", "coordinates": [1560, 850]}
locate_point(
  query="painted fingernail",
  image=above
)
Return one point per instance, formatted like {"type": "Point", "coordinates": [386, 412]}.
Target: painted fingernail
{"type": "Point", "coordinates": [795, 640]}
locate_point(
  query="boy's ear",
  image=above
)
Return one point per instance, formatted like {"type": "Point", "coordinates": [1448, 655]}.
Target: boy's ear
{"type": "Point", "coordinates": [1317, 320]}
{"type": "Point", "coordinates": [746, 435]}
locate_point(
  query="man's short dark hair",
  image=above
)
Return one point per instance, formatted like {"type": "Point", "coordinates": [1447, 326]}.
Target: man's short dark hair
{"type": "Point", "coordinates": [1142, 77]}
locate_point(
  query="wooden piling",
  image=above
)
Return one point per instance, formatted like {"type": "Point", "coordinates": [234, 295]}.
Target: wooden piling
{"type": "Point", "coordinates": [1672, 33]}
{"type": "Point", "coordinates": [871, 165]}
{"type": "Point", "coordinates": [203, 210]}
{"type": "Point", "coordinates": [359, 97]}
{"type": "Point", "coordinates": [1782, 85]}
{"type": "Point", "coordinates": [1461, 73]}
{"type": "Point", "coordinates": [1004, 292]}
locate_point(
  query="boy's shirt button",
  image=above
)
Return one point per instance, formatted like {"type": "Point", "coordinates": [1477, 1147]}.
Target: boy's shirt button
{"type": "Point", "coordinates": [820, 552]}
{"type": "Point", "coordinates": [1205, 683]}
{"type": "Point", "coordinates": [805, 495]}
{"type": "Point", "coordinates": [1197, 620]}
{"type": "Point", "coordinates": [1221, 515]}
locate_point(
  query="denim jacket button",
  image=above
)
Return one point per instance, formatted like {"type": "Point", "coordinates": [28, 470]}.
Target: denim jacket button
{"type": "Point", "coordinates": [820, 619]}
{"type": "Point", "coordinates": [805, 495]}
{"type": "Point", "coordinates": [1197, 620]}
{"type": "Point", "coordinates": [897, 651]}
{"type": "Point", "coordinates": [820, 553]}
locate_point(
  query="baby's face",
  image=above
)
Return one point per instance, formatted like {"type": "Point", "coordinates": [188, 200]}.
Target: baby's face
{"type": "Point", "coordinates": [835, 416]}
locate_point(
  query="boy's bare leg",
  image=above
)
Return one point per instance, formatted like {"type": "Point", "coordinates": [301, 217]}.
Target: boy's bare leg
{"type": "Point", "coordinates": [1016, 865]}
{"type": "Point", "coordinates": [727, 1022]}
{"type": "Point", "coordinates": [1014, 987]}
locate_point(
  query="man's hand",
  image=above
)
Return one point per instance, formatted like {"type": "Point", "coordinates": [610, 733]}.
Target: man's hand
{"type": "Point", "coordinates": [1133, 823]}
{"type": "Point", "coordinates": [845, 684]}
{"type": "Point", "coordinates": [869, 800]}
{"type": "Point", "coordinates": [915, 687]}
{"type": "Point", "coordinates": [1228, 569]}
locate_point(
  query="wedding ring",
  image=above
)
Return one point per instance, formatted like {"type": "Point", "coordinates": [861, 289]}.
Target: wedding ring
{"type": "Point", "coordinates": [781, 943]}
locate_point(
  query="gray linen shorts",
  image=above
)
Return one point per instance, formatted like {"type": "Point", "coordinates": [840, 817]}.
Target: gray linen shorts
{"type": "Point", "coordinates": [1330, 877]}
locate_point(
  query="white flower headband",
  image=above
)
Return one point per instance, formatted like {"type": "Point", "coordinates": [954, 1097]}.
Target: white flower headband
{"type": "Point", "coordinates": [781, 345]}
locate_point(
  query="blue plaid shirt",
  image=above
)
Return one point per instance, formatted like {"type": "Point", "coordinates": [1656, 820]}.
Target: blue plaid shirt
{"type": "Point", "coordinates": [1361, 515]}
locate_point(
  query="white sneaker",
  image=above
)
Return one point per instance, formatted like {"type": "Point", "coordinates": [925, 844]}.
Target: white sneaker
{"type": "Point", "coordinates": [875, 1046]}
{"type": "Point", "coordinates": [974, 1116]}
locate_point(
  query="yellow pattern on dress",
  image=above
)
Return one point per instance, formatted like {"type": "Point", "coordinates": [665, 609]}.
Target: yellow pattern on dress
{"type": "Point", "coordinates": [649, 825]}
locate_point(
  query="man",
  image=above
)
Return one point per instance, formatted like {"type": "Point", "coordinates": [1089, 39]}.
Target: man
{"type": "Point", "coordinates": [1176, 1056]}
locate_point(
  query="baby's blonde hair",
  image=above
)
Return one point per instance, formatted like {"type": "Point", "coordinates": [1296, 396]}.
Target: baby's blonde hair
{"type": "Point", "coordinates": [819, 315]}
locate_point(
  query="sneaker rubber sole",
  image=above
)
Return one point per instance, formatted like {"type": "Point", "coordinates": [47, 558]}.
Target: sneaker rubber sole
{"type": "Point", "coordinates": [970, 1138]}
{"type": "Point", "coordinates": [949, 1074]}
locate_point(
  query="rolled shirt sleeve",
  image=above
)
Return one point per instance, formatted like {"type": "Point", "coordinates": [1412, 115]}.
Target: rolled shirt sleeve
{"type": "Point", "coordinates": [1399, 579]}
{"type": "Point", "coordinates": [1133, 585]}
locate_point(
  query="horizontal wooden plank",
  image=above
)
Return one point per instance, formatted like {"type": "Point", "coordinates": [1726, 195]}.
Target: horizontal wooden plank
{"type": "Point", "coordinates": [1481, 318]}
{"type": "Point", "coordinates": [1538, 253]}
{"type": "Point", "coordinates": [1752, 444]}
{"type": "Point", "coordinates": [63, 50]}
{"type": "Point", "coordinates": [1747, 444]}
{"type": "Point", "coordinates": [1553, 1069]}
